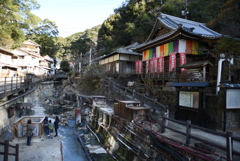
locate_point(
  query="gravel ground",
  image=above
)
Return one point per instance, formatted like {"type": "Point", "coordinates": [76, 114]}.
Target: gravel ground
{"type": "Point", "coordinates": [40, 149]}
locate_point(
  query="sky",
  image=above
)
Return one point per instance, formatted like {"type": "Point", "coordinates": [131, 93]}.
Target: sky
{"type": "Point", "coordinates": [72, 16]}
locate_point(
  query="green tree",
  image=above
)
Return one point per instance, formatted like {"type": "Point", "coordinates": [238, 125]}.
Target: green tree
{"type": "Point", "coordinates": [44, 34]}
{"type": "Point", "coordinates": [64, 65]}
{"type": "Point", "coordinates": [132, 22]}
{"type": "Point", "coordinates": [15, 19]}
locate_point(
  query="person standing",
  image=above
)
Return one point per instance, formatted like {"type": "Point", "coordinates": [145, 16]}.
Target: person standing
{"type": "Point", "coordinates": [56, 122]}
{"type": "Point", "coordinates": [51, 127]}
{"type": "Point", "coordinates": [46, 128]}
{"type": "Point", "coordinates": [30, 129]}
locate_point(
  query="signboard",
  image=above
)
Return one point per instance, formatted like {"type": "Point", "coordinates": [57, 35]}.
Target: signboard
{"type": "Point", "coordinates": [232, 100]}
{"type": "Point", "coordinates": [189, 99]}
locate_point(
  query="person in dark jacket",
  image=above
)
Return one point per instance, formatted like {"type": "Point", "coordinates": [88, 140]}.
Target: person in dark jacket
{"type": "Point", "coordinates": [46, 128]}
{"type": "Point", "coordinates": [56, 122]}
{"type": "Point", "coordinates": [30, 129]}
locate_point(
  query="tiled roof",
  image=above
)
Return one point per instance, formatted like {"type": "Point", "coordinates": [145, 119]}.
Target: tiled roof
{"type": "Point", "coordinates": [3, 49]}
{"type": "Point", "coordinates": [30, 42]}
{"type": "Point", "coordinates": [187, 25]}
{"type": "Point", "coordinates": [125, 50]}
{"type": "Point", "coordinates": [175, 24]}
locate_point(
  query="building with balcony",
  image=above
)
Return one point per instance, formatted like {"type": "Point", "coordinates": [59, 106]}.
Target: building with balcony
{"type": "Point", "coordinates": [28, 58]}
{"type": "Point", "coordinates": [8, 67]}
{"type": "Point", "coordinates": [47, 65]}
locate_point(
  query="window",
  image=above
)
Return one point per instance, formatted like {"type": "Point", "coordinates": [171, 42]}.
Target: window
{"type": "Point", "coordinates": [233, 101]}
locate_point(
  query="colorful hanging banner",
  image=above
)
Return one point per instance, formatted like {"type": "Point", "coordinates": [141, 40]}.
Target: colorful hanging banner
{"type": "Point", "coordinates": [183, 60]}
{"type": "Point", "coordinates": [177, 46]}
{"type": "Point", "coordinates": [172, 62]}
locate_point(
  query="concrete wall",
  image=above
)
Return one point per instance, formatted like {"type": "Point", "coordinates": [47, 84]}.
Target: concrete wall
{"type": "Point", "coordinates": [35, 96]}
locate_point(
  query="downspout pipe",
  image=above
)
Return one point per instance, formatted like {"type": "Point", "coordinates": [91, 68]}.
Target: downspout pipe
{"type": "Point", "coordinates": [231, 62]}
{"type": "Point", "coordinates": [219, 75]}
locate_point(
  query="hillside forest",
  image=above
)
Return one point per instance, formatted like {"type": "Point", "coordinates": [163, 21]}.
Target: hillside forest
{"type": "Point", "coordinates": [131, 22]}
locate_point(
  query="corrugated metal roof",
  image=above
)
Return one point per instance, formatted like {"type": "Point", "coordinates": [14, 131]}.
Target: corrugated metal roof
{"type": "Point", "coordinates": [190, 84]}
{"type": "Point", "coordinates": [230, 85]}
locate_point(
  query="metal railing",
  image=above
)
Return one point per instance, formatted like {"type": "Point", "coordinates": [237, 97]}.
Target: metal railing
{"type": "Point", "coordinates": [230, 139]}
{"type": "Point", "coordinates": [10, 83]}
{"type": "Point", "coordinates": [127, 92]}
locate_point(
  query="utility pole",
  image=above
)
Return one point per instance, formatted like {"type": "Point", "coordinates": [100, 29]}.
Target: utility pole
{"type": "Point", "coordinates": [90, 57]}
{"type": "Point", "coordinates": [185, 11]}
{"type": "Point", "coordinates": [80, 63]}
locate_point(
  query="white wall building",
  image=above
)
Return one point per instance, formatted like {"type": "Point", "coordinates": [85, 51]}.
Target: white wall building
{"type": "Point", "coordinates": [30, 61]}
{"type": "Point", "coordinates": [8, 67]}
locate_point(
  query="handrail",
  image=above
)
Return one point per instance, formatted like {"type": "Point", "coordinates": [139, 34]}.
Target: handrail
{"type": "Point", "coordinates": [13, 84]}
{"type": "Point", "coordinates": [153, 103]}
{"type": "Point", "coordinates": [228, 148]}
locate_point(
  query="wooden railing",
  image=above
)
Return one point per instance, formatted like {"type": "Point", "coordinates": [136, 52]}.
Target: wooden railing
{"type": "Point", "coordinates": [6, 152]}
{"type": "Point", "coordinates": [230, 139]}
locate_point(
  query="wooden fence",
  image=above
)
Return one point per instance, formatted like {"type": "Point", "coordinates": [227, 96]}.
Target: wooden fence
{"type": "Point", "coordinates": [6, 152]}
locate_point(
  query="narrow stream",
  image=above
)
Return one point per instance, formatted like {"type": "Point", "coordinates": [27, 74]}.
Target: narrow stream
{"type": "Point", "coordinates": [71, 147]}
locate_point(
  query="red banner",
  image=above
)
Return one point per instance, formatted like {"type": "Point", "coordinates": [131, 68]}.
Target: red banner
{"type": "Point", "coordinates": [183, 60]}
{"type": "Point", "coordinates": [155, 65]}
{"type": "Point", "coordinates": [161, 64]}
{"type": "Point", "coordinates": [140, 67]}
{"type": "Point", "coordinates": [151, 65]}
{"type": "Point", "coordinates": [147, 66]}
{"type": "Point", "coordinates": [172, 62]}
{"type": "Point", "coordinates": [136, 67]}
